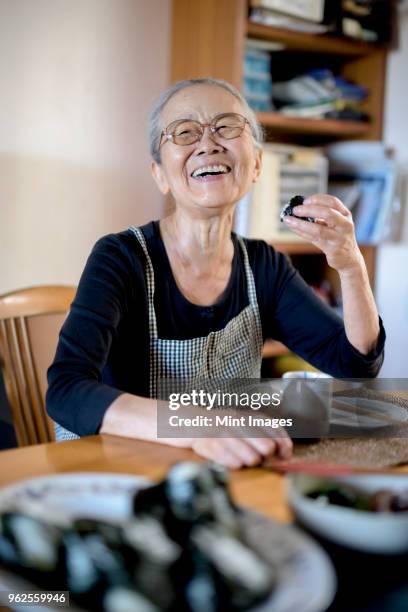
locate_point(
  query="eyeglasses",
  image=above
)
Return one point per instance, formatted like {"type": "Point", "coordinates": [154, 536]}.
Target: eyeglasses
{"type": "Point", "coordinates": [187, 131]}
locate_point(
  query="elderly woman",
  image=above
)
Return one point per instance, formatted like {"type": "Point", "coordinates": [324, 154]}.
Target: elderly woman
{"type": "Point", "coordinates": [186, 297]}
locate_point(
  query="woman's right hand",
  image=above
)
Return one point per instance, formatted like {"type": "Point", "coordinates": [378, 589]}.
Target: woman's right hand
{"type": "Point", "coordinates": [237, 453]}
{"type": "Point", "coordinates": [136, 417]}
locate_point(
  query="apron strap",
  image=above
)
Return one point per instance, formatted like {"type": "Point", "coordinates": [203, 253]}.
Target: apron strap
{"type": "Point", "coordinates": [150, 283]}
{"type": "Point", "coordinates": [251, 287]}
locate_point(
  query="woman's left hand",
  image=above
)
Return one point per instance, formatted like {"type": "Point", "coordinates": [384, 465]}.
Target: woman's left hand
{"type": "Point", "coordinates": [332, 232]}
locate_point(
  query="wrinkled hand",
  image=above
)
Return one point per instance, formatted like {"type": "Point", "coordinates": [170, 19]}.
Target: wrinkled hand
{"type": "Point", "coordinates": [237, 453]}
{"type": "Point", "coordinates": [333, 231]}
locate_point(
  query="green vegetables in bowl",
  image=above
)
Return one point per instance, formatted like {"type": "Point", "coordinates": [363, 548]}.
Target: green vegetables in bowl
{"type": "Point", "coordinates": [383, 500]}
{"type": "Point", "coordinates": [366, 512]}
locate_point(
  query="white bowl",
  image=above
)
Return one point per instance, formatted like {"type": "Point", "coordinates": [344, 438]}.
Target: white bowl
{"type": "Point", "coordinates": [374, 532]}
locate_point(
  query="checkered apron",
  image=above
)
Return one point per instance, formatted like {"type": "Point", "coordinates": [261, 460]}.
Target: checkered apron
{"type": "Point", "coordinates": [62, 434]}
{"type": "Point", "coordinates": [232, 352]}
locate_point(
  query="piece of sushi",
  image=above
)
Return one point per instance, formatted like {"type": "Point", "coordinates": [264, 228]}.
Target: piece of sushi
{"type": "Point", "coordinates": [199, 493]}
{"type": "Point", "coordinates": [241, 578]}
{"type": "Point", "coordinates": [154, 562]}
{"type": "Point", "coordinates": [122, 599]}
{"type": "Point", "coordinates": [287, 210]}
{"type": "Point", "coordinates": [191, 494]}
{"type": "Point", "coordinates": [84, 580]}
{"type": "Point", "coordinates": [30, 546]}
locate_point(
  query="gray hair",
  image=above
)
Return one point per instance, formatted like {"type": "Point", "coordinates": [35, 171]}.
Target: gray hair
{"type": "Point", "coordinates": [156, 128]}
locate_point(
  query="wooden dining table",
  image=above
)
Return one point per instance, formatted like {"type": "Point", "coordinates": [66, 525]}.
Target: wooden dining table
{"type": "Point", "coordinates": [260, 489]}
{"type": "Point", "coordinates": [255, 488]}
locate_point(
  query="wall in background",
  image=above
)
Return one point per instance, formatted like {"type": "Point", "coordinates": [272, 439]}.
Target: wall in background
{"type": "Point", "coordinates": [77, 79]}
{"type": "Point", "coordinates": [392, 261]}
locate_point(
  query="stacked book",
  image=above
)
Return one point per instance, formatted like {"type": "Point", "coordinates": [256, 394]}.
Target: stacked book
{"type": "Point", "coordinates": [366, 180]}
{"type": "Point", "coordinates": [318, 94]}
{"type": "Point", "coordinates": [257, 77]}
{"type": "Point", "coordinates": [368, 20]}
{"type": "Point", "coordinates": [371, 20]}
{"type": "Point", "coordinates": [300, 15]}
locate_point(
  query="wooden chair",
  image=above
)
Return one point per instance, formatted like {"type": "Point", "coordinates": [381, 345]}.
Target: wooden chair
{"type": "Point", "coordinates": [30, 320]}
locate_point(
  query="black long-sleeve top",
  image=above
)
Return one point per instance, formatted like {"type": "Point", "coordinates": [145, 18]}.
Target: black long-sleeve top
{"type": "Point", "coordinates": [103, 348]}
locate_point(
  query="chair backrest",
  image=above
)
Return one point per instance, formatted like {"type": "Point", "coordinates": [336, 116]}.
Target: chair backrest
{"type": "Point", "coordinates": [30, 320]}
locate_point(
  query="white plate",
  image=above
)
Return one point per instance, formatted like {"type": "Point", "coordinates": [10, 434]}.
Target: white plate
{"type": "Point", "coordinates": [345, 419]}
{"type": "Point", "coordinates": [375, 532]}
{"type": "Point", "coordinates": [306, 580]}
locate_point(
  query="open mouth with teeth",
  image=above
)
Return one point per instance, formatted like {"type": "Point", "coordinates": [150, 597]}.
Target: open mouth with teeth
{"type": "Point", "coordinates": [207, 172]}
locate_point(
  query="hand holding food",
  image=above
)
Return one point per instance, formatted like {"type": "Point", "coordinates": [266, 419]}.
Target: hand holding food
{"type": "Point", "coordinates": [332, 231]}
{"type": "Point", "coordinates": [288, 211]}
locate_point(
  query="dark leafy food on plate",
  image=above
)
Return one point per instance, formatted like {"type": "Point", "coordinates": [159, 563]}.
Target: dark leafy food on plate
{"type": "Point", "coordinates": [182, 550]}
{"type": "Point", "coordinates": [240, 576]}
{"type": "Point", "coordinates": [190, 495]}
{"type": "Point", "coordinates": [287, 210]}
{"type": "Point", "coordinates": [383, 500]}
{"type": "Point", "coordinates": [30, 545]}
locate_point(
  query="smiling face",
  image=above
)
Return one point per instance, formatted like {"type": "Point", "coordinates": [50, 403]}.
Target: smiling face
{"type": "Point", "coordinates": [232, 165]}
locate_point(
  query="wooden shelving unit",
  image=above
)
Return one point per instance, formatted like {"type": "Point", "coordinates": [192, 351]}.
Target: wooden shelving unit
{"type": "Point", "coordinates": [311, 43]}
{"type": "Point", "coordinates": [208, 39]}
{"type": "Point", "coordinates": [330, 128]}
{"type": "Point", "coordinates": [306, 248]}
{"type": "Point", "coordinates": [297, 248]}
